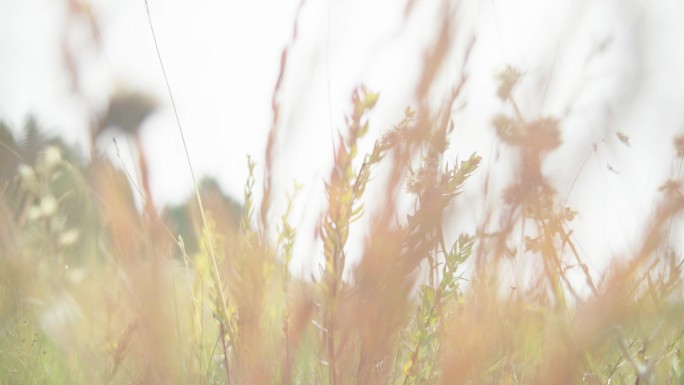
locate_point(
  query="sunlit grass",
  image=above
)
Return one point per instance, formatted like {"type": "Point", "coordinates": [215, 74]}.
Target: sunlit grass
{"type": "Point", "coordinates": [96, 288]}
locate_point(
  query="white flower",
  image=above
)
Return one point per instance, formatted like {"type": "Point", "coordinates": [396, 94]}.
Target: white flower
{"type": "Point", "coordinates": [35, 213]}
{"type": "Point", "coordinates": [52, 157]}
{"type": "Point", "coordinates": [28, 177]}
{"type": "Point", "coordinates": [48, 205]}
{"type": "Point", "coordinates": [26, 172]}
{"type": "Point", "coordinates": [68, 237]}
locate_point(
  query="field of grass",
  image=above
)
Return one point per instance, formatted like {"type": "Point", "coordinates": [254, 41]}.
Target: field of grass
{"type": "Point", "coordinates": [98, 288]}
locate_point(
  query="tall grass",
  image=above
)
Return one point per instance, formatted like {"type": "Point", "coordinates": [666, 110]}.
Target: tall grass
{"type": "Point", "coordinates": [94, 290]}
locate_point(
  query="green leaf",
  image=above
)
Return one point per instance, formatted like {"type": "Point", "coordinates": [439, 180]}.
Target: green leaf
{"type": "Point", "coordinates": [370, 99]}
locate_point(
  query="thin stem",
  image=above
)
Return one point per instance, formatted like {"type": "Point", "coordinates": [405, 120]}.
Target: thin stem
{"type": "Point", "coordinates": [210, 238]}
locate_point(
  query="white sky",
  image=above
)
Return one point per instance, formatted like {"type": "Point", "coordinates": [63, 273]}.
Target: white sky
{"type": "Point", "coordinates": [222, 59]}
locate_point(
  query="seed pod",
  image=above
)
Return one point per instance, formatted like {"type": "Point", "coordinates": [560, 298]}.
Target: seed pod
{"type": "Point", "coordinates": [127, 111]}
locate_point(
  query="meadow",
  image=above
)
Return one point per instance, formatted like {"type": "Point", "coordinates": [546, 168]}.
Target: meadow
{"type": "Point", "coordinates": [99, 286]}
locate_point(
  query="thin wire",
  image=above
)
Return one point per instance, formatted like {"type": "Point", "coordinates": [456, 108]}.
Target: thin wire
{"type": "Point", "coordinates": [210, 239]}
{"type": "Point", "coordinates": [669, 226]}
{"type": "Point", "coordinates": [327, 78]}
{"type": "Point", "coordinates": [550, 77]}
{"type": "Point", "coordinates": [175, 113]}
{"type": "Point", "coordinates": [498, 32]}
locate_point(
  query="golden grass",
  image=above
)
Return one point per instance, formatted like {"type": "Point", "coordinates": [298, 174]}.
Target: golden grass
{"type": "Point", "coordinates": [93, 290]}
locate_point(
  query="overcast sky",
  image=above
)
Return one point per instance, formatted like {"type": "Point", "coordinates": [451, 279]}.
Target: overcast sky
{"type": "Point", "coordinates": [601, 66]}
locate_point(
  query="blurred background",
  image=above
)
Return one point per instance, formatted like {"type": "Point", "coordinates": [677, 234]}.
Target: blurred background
{"type": "Point", "coordinates": [611, 71]}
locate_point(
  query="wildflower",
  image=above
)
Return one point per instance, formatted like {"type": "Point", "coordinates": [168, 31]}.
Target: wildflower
{"type": "Point", "coordinates": [48, 206]}
{"type": "Point", "coordinates": [52, 157]}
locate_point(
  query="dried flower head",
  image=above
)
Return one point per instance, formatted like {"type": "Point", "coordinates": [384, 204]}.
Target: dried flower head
{"type": "Point", "coordinates": [508, 79]}
{"type": "Point", "coordinates": [678, 142]}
